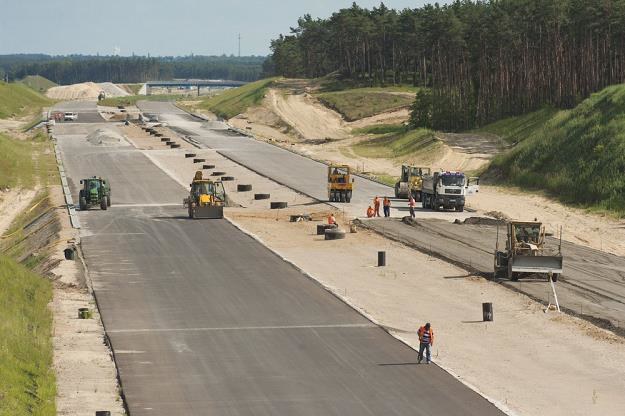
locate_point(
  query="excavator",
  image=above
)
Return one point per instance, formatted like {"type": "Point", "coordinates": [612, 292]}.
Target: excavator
{"type": "Point", "coordinates": [206, 198]}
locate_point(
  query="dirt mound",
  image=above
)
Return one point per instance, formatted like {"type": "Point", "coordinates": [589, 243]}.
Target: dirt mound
{"type": "Point", "coordinates": [482, 221]}
{"type": "Point", "coordinates": [105, 137]}
{"type": "Point", "coordinates": [84, 91]}
{"type": "Point", "coordinates": [112, 90]}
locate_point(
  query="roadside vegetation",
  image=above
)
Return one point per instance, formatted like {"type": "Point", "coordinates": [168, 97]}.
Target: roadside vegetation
{"type": "Point", "coordinates": [131, 100]}
{"type": "Point", "coordinates": [576, 155]}
{"type": "Point", "coordinates": [132, 88]}
{"type": "Point", "coordinates": [38, 83]}
{"type": "Point", "coordinates": [365, 102]}
{"type": "Point", "coordinates": [235, 101]}
{"type": "Point", "coordinates": [25, 163]}
{"type": "Point", "coordinates": [18, 100]}
{"type": "Point", "coordinates": [399, 144]}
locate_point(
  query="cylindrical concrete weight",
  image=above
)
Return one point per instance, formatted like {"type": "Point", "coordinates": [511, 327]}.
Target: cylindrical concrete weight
{"type": "Point", "coordinates": [321, 228]}
{"type": "Point", "coordinates": [334, 234]}
{"type": "Point", "coordinates": [244, 188]}
{"type": "Point", "coordinates": [277, 205]}
{"type": "Point", "coordinates": [227, 178]}
{"type": "Point", "coordinates": [208, 167]}
{"type": "Point", "coordinates": [188, 155]}
{"type": "Point", "coordinates": [69, 253]}
{"type": "Point", "coordinates": [381, 258]}
{"type": "Point", "coordinates": [261, 196]}
{"type": "Point", "coordinates": [198, 160]}
{"type": "Point", "coordinates": [487, 311]}
{"type": "Point", "coordinates": [102, 413]}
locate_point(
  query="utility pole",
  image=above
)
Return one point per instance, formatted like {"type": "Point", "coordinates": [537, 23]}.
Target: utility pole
{"type": "Point", "coordinates": [239, 45]}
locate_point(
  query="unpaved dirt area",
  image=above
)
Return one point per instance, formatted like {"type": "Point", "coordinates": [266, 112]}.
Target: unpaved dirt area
{"type": "Point", "coordinates": [85, 91]}
{"type": "Point", "coordinates": [527, 361]}
{"type": "Point", "coordinates": [12, 203]}
{"type": "Point", "coordinates": [589, 230]}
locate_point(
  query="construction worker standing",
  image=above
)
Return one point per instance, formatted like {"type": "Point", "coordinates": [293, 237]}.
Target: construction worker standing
{"type": "Point", "coordinates": [411, 205]}
{"type": "Point", "coordinates": [426, 340]}
{"type": "Point", "coordinates": [387, 207]}
{"type": "Point", "coordinates": [376, 205]}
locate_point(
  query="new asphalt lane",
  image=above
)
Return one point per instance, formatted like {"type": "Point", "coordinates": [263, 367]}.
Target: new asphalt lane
{"type": "Point", "coordinates": [203, 319]}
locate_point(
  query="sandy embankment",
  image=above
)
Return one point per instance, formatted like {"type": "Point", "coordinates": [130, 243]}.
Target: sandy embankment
{"type": "Point", "coordinates": [85, 91]}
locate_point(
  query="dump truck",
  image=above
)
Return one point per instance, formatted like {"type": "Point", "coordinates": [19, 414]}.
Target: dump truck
{"type": "Point", "coordinates": [95, 191]}
{"type": "Point", "coordinates": [410, 182]}
{"type": "Point", "coordinates": [340, 183]}
{"type": "Point", "coordinates": [447, 190]}
{"type": "Point", "coordinates": [526, 252]}
{"type": "Point", "coordinates": [206, 198]}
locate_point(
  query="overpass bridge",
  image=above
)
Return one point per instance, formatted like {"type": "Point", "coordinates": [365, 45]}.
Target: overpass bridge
{"type": "Point", "coordinates": [193, 83]}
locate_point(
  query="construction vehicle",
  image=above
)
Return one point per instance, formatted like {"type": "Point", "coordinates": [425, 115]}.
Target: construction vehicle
{"type": "Point", "coordinates": [340, 183]}
{"type": "Point", "coordinates": [526, 252]}
{"type": "Point", "coordinates": [410, 182]}
{"type": "Point", "coordinates": [206, 198]}
{"type": "Point", "coordinates": [447, 190]}
{"type": "Point", "coordinates": [95, 191]}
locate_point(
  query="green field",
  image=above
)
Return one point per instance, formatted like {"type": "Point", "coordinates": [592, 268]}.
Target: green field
{"type": "Point", "coordinates": [577, 155]}
{"type": "Point", "coordinates": [365, 102]}
{"type": "Point", "coordinates": [38, 83]}
{"type": "Point", "coordinates": [18, 100]}
{"type": "Point", "coordinates": [131, 100]}
{"type": "Point", "coordinates": [25, 163]}
{"type": "Point", "coordinates": [235, 101]}
{"type": "Point", "coordinates": [419, 142]}
{"type": "Point", "coordinates": [517, 129]}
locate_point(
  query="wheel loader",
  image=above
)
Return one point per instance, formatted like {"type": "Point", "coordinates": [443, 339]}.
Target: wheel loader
{"type": "Point", "coordinates": [340, 183]}
{"type": "Point", "coordinates": [410, 182]}
{"type": "Point", "coordinates": [95, 191]}
{"type": "Point", "coordinates": [526, 252]}
{"type": "Point", "coordinates": [206, 198]}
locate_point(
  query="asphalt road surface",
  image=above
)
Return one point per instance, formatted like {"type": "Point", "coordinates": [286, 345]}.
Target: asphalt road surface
{"type": "Point", "coordinates": [297, 172]}
{"type": "Point", "coordinates": [87, 111]}
{"type": "Point", "coordinates": [203, 319]}
{"type": "Point", "coordinates": [592, 284]}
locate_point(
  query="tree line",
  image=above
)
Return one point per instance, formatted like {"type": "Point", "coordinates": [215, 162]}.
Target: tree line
{"type": "Point", "coordinates": [79, 68]}
{"type": "Point", "coordinates": [478, 61]}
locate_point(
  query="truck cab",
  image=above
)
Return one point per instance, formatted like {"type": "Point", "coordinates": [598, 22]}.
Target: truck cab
{"type": "Point", "coordinates": [447, 190]}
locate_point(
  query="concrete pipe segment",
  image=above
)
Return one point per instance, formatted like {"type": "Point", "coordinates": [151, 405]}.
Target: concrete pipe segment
{"type": "Point", "coordinates": [244, 188]}
{"type": "Point", "coordinates": [334, 234]}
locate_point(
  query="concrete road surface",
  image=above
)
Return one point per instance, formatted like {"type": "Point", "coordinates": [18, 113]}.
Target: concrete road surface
{"type": "Point", "coordinates": [87, 111]}
{"type": "Point", "coordinates": [592, 284]}
{"type": "Point", "coordinates": [205, 320]}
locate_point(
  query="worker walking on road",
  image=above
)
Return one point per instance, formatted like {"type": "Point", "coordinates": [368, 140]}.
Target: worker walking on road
{"type": "Point", "coordinates": [376, 205]}
{"type": "Point", "coordinates": [411, 205]}
{"type": "Point", "coordinates": [426, 340]}
{"type": "Point", "coordinates": [387, 207]}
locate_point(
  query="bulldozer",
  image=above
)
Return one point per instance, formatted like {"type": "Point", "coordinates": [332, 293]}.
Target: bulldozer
{"type": "Point", "coordinates": [95, 191]}
{"type": "Point", "coordinates": [409, 183]}
{"type": "Point", "coordinates": [340, 183]}
{"type": "Point", "coordinates": [526, 252]}
{"type": "Point", "coordinates": [206, 198]}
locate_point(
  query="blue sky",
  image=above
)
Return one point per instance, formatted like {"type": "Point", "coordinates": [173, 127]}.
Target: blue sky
{"type": "Point", "coordinates": [157, 27]}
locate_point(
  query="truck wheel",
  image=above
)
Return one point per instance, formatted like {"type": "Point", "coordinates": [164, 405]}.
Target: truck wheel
{"type": "Point", "coordinates": [190, 213]}
{"type": "Point", "coordinates": [103, 203]}
{"type": "Point", "coordinates": [342, 196]}
{"type": "Point", "coordinates": [554, 277]}
{"type": "Point", "coordinates": [514, 277]}
{"type": "Point", "coordinates": [424, 202]}
{"type": "Point", "coordinates": [83, 203]}
{"type": "Point", "coordinates": [460, 208]}
{"type": "Point", "coordinates": [397, 190]}
{"type": "Point", "coordinates": [348, 196]}
{"type": "Point", "coordinates": [108, 200]}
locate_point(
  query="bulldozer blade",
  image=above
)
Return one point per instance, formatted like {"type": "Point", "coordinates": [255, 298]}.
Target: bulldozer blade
{"type": "Point", "coordinates": [214, 212]}
{"type": "Point", "coordinates": [537, 264]}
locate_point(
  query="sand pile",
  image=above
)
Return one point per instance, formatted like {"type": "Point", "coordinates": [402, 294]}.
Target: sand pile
{"type": "Point", "coordinates": [84, 91]}
{"type": "Point", "coordinates": [105, 137]}
{"type": "Point", "coordinates": [112, 90]}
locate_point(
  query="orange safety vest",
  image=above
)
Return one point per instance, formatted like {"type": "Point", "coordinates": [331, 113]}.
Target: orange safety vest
{"type": "Point", "coordinates": [376, 201]}
{"type": "Point", "coordinates": [370, 212]}
{"type": "Point", "coordinates": [331, 219]}
{"type": "Point", "coordinates": [421, 333]}
{"type": "Point", "coordinates": [387, 202]}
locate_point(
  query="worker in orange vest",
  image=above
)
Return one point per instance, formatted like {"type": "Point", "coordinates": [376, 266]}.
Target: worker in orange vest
{"type": "Point", "coordinates": [370, 212]}
{"type": "Point", "coordinates": [387, 206]}
{"type": "Point", "coordinates": [331, 219]}
{"type": "Point", "coordinates": [376, 205]}
{"type": "Point", "coordinates": [426, 340]}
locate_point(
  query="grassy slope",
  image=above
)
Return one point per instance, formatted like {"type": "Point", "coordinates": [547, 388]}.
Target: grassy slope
{"type": "Point", "coordinates": [577, 155]}
{"type": "Point", "coordinates": [22, 162]}
{"type": "Point", "coordinates": [236, 100]}
{"type": "Point", "coordinates": [27, 384]}
{"type": "Point", "coordinates": [18, 100]}
{"type": "Point", "coordinates": [398, 144]}
{"type": "Point", "coordinates": [38, 83]}
{"type": "Point", "coordinates": [132, 99]}
{"type": "Point", "coordinates": [364, 102]}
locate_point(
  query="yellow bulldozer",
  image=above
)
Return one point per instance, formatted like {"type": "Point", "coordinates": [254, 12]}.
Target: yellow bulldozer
{"type": "Point", "coordinates": [206, 198]}
{"type": "Point", "coordinates": [340, 183]}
